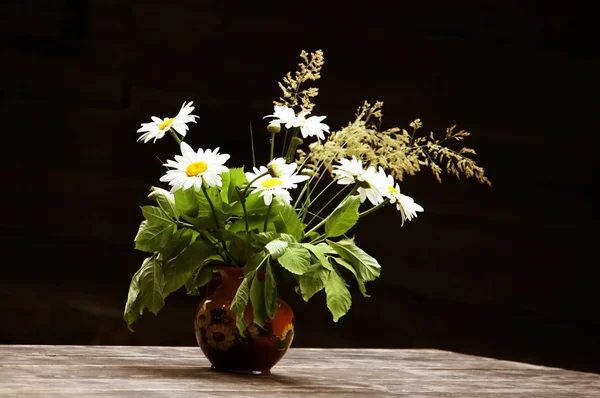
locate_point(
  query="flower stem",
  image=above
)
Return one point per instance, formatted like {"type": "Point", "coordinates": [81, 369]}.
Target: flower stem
{"type": "Point", "coordinates": [251, 182]}
{"type": "Point", "coordinates": [272, 146]}
{"type": "Point", "coordinates": [326, 204]}
{"type": "Point", "coordinates": [210, 203]}
{"type": "Point", "coordinates": [292, 146]}
{"type": "Point", "coordinates": [374, 208]}
{"type": "Point", "coordinates": [175, 136]}
{"type": "Point", "coordinates": [243, 202]}
{"type": "Point", "coordinates": [267, 216]}
{"type": "Point", "coordinates": [323, 221]}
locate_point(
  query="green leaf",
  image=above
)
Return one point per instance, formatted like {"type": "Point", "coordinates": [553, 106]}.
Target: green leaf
{"type": "Point", "coordinates": [286, 220]}
{"type": "Point", "coordinates": [349, 267]}
{"type": "Point", "coordinates": [320, 252]}
{"type": "Point", "coordinates": [343, 217]}
{"type": "Point", "coordinates": [145, 291]}
{"type": "Point", "coordinates": [240, 249]}
{"type": "Point", "coordinates": [201, 276]}
{"type": "Point", "coordinates": [165, 200]}
{"type": "Point", "coordinates": [133, 308]}
{"type": "Point", "coordinates": [186, 202]}
{"type": "Point", "coordinates": [257, 298]}
{"type": "Point", "coordinates": [255, 206]}
{"type": "Point", "coordinates": [152, 237]}
{"type": "Point", "coordinates": [296, 259]}
{"type": "Point", "coordinates": [179, 270]}
{"type": "Point", "coordinates": [237, 178]}
{"type": "Point", "coordinates": [276, 248]}
{"type": "Point", "coordinates": [271, 301]}
{"type": "Point", "coordinates": [339, 299]}
{"type": "Point", "coordinates": [176, 243]}
{"type": "Point", "coordinates": [312, 281]}
{"type": "Point", "coordinates": [156, 216]}
{"type": "Point", "coordinates": [225, 179]}
{"type": "Point", "coordinates": [205, 218]}
{"type": "Point", "coordinates": [366, 266]}
{"type": "Point", "coordinates": [242, 295]}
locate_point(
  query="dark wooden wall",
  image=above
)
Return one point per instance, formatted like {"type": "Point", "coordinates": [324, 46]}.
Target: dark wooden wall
{"type": "Point", "coordinates": [507, 271]}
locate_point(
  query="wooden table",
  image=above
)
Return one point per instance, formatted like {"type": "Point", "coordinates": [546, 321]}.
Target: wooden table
{"type": "Point", "coordinates": [113, 371]}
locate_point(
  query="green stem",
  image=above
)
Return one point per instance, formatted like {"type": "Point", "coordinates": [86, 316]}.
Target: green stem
{"type": "Point", "coordinates": [243, 202]}
{"type": "Point", "coordinates": [374, 208]}
{"type": "Point", "coordinates": [252, 146]}
{"type": "Point", "coordinates": [251, 182]}
{"type": "Point", "coordinates": [267, 216]}
{"type": "Point", "coordinates": [272, 146]}
{"type": "Point", "coordinates": [292, 146]}
{"type": "Point", "coordinates": [210, 203]}
{"type": "Point", "coordinates": [323, 221]}
{"type": "Point", "coordinates": [326, 204]}
{"type": "Point", "coordinates": [175, 136]}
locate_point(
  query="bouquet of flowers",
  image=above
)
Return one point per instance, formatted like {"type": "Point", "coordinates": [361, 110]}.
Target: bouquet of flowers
{"type": "Point", "coordinates": [288, 218]}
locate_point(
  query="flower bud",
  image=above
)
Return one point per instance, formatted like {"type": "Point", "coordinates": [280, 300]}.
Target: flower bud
{"type": "Point", "coordinates": [275, 169]}
{"type": "Point", "coordinates": [274, 127]}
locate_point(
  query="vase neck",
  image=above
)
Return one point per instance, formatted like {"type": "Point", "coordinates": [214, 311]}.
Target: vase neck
{"type": "Point", "coordinates": [231, 277]}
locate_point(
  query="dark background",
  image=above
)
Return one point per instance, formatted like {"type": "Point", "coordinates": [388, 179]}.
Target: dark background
{"type": "Point", "coordinates": [507, 271]}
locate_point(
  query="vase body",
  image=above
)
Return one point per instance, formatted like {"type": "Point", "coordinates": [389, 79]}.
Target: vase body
{"type": "Point", "coordinates": [218, 336]}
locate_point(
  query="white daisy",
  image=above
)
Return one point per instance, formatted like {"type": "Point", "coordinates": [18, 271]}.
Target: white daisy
{"type": "Point", "coordinates": [370, 183]}
{"type": "Point", "coordinates": [312, 126]}
{"type": "Point", "coordinates": [348, 170]}
{"type": "Point", "coordinates": [159, 127]}
{"type": "Point", "coordinates": [270, 186]}
{"type": "Point", "coordinates": [194, 167]}
{"type": "Point", "coordinates": [405, 204]}
{"type": "Point", "coordinates": [284, 115]}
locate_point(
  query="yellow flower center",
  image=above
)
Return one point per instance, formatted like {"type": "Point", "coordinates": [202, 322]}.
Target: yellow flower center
{"type": "Point", "coordinates": [393, 190]}
{"type": "Point", "coordinates": [196, 168]}
{"type": "Point", "coordinates": [271, 182]}
{"type": "Point", "coordinates": [166, 123]}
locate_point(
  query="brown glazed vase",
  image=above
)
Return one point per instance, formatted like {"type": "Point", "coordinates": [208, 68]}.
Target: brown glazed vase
{"type": "Point", "coordinates": [219, 339]}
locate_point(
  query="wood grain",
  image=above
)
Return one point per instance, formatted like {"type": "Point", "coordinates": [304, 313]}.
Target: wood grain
{"type": "Point", "coordinates": [53, 371]}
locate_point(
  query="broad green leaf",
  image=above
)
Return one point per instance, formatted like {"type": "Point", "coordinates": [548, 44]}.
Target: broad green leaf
{"type": "Point", "coordinates": [339, 299]}
{"type": "Point", "coordinates": [156, 216]}
{"type": "Point", "coordinates": [179, 270]}
{"type": "Point", "coordinates": [240, 300]}
{"type": "Point", "coordinates": [151, 237]}
{"type": "Point", "coordinates": [225, 179]}
{"type": "Point", "coordinates": [176, 243]}
{"type": "Point", "coordinates": [343, 217]}
{"type": "Point", "coordinates": [151, 285]}
{"type": "Point", "coordinates": [237, 178]}
{"type": "Point", "coordinates": [255, 206]}
{"type": "Point", "coordinates": [271, 301]}
{"type": "Point", "coordinates": [312, 281]}
{"type": "Point", "coordinates": [257, 298]}
{"type": "Point", "coordinates": [325, 248]}
{"type": "Point", "coordinates": [201, 276]}
{"type": "Point", "coordinates": [349, 267]}
{"type": "Point", "coordinates": [276, 248]}
{"type": "Point", "coordinates": [366, 266]}
{"type": "Point", "coordinates": [255, 262]}
{"type": "Point", "coordinates": [286, 220]}
{"type": "Point", "coordinates": [296, 259]}
{"type": "Point", "coordinates": [224, 235]}
{"type": "Point", "coordinates": [145, 291]}
{"type": "Point", "coordinates": [320, 252]}
{"type": "Point", "coordinates": [133, 309]}
{"type": "Point", "coordinates": [165, 200]}
{"type": "Point", "coordinates": [186, 202]}
{"type": "Point", "coordinates": [240, 249]}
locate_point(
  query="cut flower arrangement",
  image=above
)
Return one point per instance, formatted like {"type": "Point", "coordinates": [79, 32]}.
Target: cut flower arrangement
{"type": "Point", "coordinates": [286, 220]}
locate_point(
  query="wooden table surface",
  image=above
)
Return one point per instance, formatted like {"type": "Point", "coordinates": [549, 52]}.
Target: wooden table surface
{"type": "Point", "coordinates": [116, 371]}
